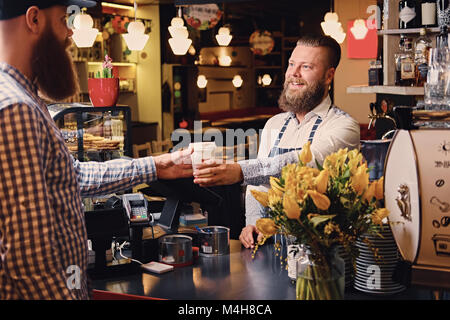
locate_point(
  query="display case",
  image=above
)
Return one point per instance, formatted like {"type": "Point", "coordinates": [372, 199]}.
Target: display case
{"type": "Point", "coordinates": [94, 133]}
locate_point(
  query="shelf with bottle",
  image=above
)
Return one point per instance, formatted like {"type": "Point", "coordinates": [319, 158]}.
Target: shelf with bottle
{"type": "Point", "coordinates": [407, 31]}
{"type": "Point", "coordinates": [397, 90]}
{"type": "Point", "coordinates": [394, 30]}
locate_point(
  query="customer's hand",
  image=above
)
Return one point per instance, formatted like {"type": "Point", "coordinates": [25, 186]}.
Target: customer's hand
{"type": "Point", "coordinates": [174, 165]}
{"type": "Point", "coordinates": [217, 173]}
{"type": "Point", "coordinates": [246, 236]}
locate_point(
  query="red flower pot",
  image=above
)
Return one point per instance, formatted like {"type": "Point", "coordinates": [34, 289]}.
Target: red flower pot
{"type": "Point", "coordinates": [103, 92]}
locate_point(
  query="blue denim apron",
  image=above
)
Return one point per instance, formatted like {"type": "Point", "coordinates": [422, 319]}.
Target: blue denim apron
{"type": "Point", "coordinates": [275, 151]}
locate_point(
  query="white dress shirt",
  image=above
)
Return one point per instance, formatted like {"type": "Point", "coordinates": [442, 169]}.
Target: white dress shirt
{"type": "Point", "coordinates": [337, 130]}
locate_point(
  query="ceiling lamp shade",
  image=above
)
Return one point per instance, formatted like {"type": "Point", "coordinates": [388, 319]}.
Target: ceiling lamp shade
{"type": "Point", "coordinates": [83, 33]}
{"type": "Point", "coordinates": [237, 81]}
{"type": "Point", "coordinates": [223, 37]}
{"type": "Point", "coordinates": [330, 24]}
{"type": "Point", "coordinates": [136, 38]}
{"type": "Point", "coordinates": [225, 61]}
{"type": "Point", "coordinates": [359, 29]}
{"type": "Point", "coordinates": [266, 80]}
{"type": "Point", "coordinates": [332, 27]}
{"type": "Point", "coordinates": [201, 81]}
{"type": "Point", "coordinates": [179, 43]}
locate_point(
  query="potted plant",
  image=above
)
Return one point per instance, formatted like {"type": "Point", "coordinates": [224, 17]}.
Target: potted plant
{"type": "Point", "coordinates": [104, 88]}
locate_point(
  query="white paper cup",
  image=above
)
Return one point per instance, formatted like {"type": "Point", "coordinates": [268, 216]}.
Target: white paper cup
{"type": "Point", "coordinates": [203, 151]}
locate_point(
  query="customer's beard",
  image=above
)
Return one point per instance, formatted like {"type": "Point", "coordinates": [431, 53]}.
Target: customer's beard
{"type": "Point", "coordinates": [53, 69]}
{"type": "Point", "coordinates": [302, 102]}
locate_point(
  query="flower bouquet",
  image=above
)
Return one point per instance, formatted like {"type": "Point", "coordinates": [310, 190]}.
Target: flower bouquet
{"type": "Point", "coordinates": [104, 88]}
{"type": "Point", "coordinates": [322, 208]}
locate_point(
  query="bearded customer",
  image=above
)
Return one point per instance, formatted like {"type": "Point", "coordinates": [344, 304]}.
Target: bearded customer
{"type": "Point", "coordinates": [42, 228]}
{"type": "Point", "coordinates": [309, 116]}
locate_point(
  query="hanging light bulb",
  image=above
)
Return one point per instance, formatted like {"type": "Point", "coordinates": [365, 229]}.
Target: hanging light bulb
{"type": "Point", "coordinates": [330, 24]}
{"type": "Point", "coordinates": [136, 38]}
{"type": "Point", "coordinates": [225, 61]}
{"type": "Point", "coordinates": [201, 81]}
{"type": "Point", "coordinates": [179, 43]}
{"type": "Point", "coordinates": [237, 81]}
{"type": "Point", "coordinates": [224, 37]}
{"type": "Point", "coordinates": [332, 27]}
{"type": "Point", "coordinates": [359, 29]}
{"type": "Point", "coordinates": [266, 80]}
{"type": "Point", "coordinates": [83, 33]}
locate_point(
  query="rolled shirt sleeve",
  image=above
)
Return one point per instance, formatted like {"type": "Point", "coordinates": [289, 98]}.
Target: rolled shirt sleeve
{"type": "Point", "coordinates": [101, 178]}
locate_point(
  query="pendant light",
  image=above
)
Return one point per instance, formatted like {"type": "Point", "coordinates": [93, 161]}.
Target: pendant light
{"type": "Point", "coordinates": [201, 81]}
{"type": "Point", "coordinates": [237, 81]}
{"type": "Point", "coordinates": [224, 37]}
{"type": "Point", "coordinates": [266, 80]}
{"type": "Point", "coordinates": [83, 33]}
{"type": "Point", "coordinates": [136, 38]}
{"type": "Point", "coordinates": [179, 43]}
{"type": "Point", "coordinates": [331, 25]}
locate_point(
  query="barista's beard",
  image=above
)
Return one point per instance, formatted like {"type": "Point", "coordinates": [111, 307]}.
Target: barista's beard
{"type": "Point", "coordinates": [53, 69]}
{"type": "Point", "coordinates": [304, 101]}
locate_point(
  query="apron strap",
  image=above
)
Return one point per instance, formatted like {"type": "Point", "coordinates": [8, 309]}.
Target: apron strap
{"type": "Point", "coordinates": [277, 151]}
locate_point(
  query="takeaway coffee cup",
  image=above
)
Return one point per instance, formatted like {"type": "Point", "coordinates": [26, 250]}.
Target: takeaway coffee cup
{"type": "Point", "coordinates": [203, 151]}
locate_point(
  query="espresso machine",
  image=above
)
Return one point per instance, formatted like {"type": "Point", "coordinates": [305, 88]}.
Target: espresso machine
{"type": "Point", "coordinates": [417, 193]}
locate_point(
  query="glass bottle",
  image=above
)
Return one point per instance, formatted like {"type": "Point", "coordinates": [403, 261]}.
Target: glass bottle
{"type": "Point", "coordinates": [398, 57]}
{"type": "Point", "coordinates": [428, 13]}
{"type": "Point", "coordinates": [407, 14]}
{"type": "Point", "coordinates": [443, 12]}
{"type": "Point", "coordinates": [442, 38]}
{"type": "Point", "coordinates": [407, 66]}
{"type": "Point", "coordinates": [422, 47]}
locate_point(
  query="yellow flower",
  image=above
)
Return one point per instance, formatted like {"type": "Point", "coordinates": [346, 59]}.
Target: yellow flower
{"type": "Point", "coordinates": [305, 155]}
{"type": "Point", "coordinates": [360, 179]}
{"type": "Point", "coordinates": [262, 197]}
{"type": "Point", "coordinates": [321, 181]}
{"type": "Point", "coordinates": [379, 214]}
{"type": "Point", "coordinates": [370, 192]}
{"type": "Point", "coordinates": [266, 226]}
{"type": "Point", "coordinates": [274, 197]}
{"type": "Point", "coordinates": [291, 207]}
{"type": "Point", "coordinates": [379, 190]}
{"type": "Point", "coordinates": [276, 184]}
{"type": "Point", "coordinates": [320, 200]}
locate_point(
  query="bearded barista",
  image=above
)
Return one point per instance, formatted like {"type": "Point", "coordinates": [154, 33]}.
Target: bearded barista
{"type": "Point", "coordinates": [309, 116]}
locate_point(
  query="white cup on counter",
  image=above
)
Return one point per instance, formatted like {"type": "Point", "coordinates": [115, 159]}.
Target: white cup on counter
{"type": "Point", "coordinates": [203, 151]}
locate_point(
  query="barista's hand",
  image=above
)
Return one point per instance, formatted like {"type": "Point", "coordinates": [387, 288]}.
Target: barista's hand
{"type": "Point", "coordinates": [246, 236]}
{"type": "Point", "coordinates": [174, 165]}
{"type": "Point", "coordinates": [217, 173]}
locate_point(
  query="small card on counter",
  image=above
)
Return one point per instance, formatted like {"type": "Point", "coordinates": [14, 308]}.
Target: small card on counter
{"type": "Point", "coordinates": [157, 267]}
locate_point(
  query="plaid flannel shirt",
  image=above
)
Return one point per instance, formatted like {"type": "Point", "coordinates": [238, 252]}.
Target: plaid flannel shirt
{"type": "Point", "coordinates": [42, 229]}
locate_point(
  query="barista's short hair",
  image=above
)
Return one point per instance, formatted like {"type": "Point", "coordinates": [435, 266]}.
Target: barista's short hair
{"type": "Point", "coordinates": [318, 40]}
